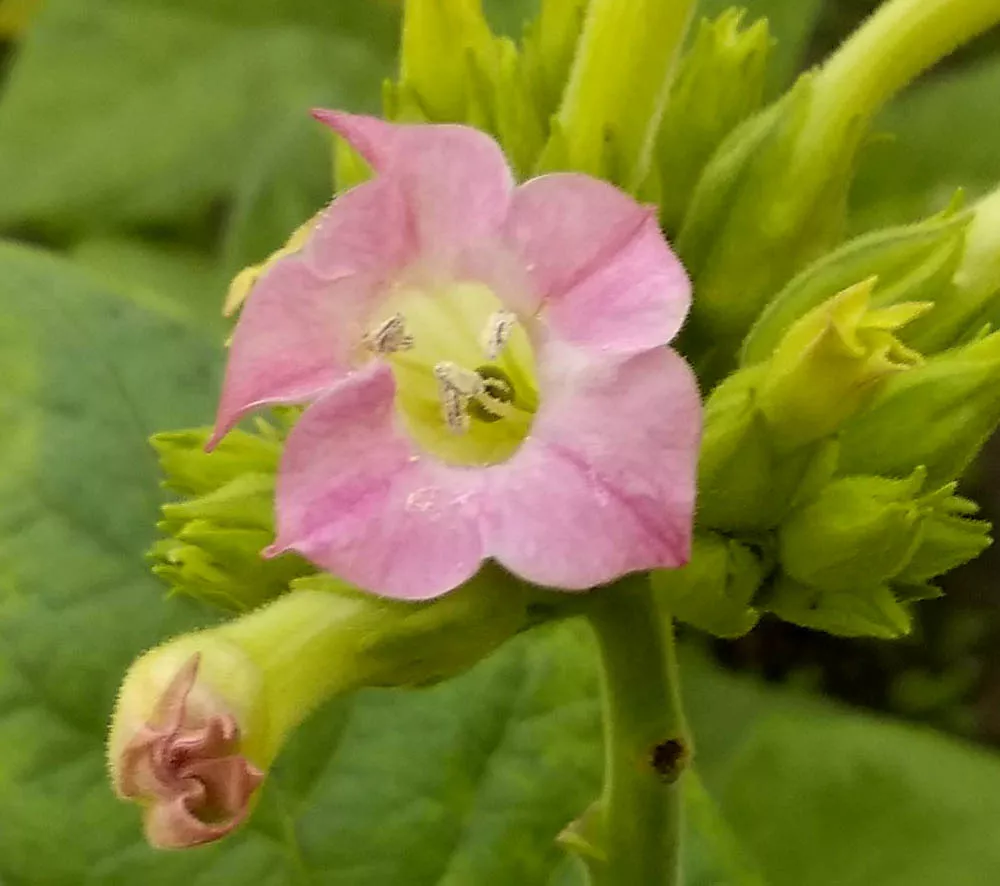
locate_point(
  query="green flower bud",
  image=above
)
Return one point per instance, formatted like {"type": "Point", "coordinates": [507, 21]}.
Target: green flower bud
{"type": "Point", "coordinates": [439, 39]}
{"type": "Point", "coordinates": [964, 303]}
{"type": "Point", "coordinates": [774, 197]}
{"type": "Point", "coordinates": [830, 363]}
{"type": "Point", "coordinates": [610, 113]}
{"type": "Point", "coordinates": [715, 590]}
{"type": "Point", "coordinates": [864, 540]}
{"type": "Point", "coordinates": [977, 280]}
{"type": "Point", "coordinates": [720, 82]}
{"type": "Point", "coordinates": [861, 612]}
{"type": "Point", "coordinates": [230, 696]}
{"type": "Point", "coordinates": [858, 532]}
{"type": "Point", "coordinates": [214, 536]}
{"type": "Point", "coordinates": [745, 482]}
{"type": "Point", "coordinates": [912, 263]}
{"type": "Point", "coordinates": [937, 415]}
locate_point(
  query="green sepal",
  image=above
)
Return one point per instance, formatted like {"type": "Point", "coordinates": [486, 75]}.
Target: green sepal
{"type": "Point", "coordinates": [870, 611]}
{"type": "Point", "coordinates": [937, 415]}
{"type": "Point", "coordinates": [714, 591]}
{"type": "Point", "coordinates": [719, 84]}
{"type": "Point", "coordinates": [950, 538]}
{"type": "Point", "coordinates": [907, 262]}
{"type": "Point", "coordinates": [189, 470]}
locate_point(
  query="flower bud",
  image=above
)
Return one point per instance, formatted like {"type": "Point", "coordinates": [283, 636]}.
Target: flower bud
{"type": "Point", "coordinates": [913, 263]}
{"type": "Point", "coordinates": [213, 538]}
{"type": "Point", "coordinates": [200, 719]}
{"type": "Point", "coordinates": [866, 546]}
{"type": "Point", "coordinates": [719, 83]}
{"type": "Point", "coordinates": [830, 363]}
{"type": "Point", "coordinates": [610, 112]}
{"type": "Point", "coordinates": [937, 415]}
{"type": "Point", "coordinates": [433, 78]}
{"type": "Point", "coordinates": [950, 538]}
{"type": "Point", "coordinates": [745, 482]}
{"type": "Point", "coordinates": [715, 590]}
{"type": "Point", "coordinates": [858, 532]}
{"type": "Point", "coordinates": [975, 299]}
{"type": "Point", "coordinates": [774, 196]}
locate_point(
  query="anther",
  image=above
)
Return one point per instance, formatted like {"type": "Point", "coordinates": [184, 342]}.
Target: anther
{"type": "Point", "coordinates": [458, 387]}
{"type": "Point", "coordinates": [389, 337]}
{"type": "Point", "coordinates": [498, 330]}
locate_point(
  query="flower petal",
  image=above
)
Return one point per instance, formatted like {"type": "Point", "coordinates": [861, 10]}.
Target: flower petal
{"type": "Point", "coordinates": [605, 485]}
{"type": "Point", "coordinates": [366, 229]}
{"type": "Point", "coordinates": [455, 179]}
{"type": "Point", "coordinates": [600, 265]}
{"type": "Point", "coordinates": [298, 335]}
{"type": "Point", "coordinates": [355, 498]}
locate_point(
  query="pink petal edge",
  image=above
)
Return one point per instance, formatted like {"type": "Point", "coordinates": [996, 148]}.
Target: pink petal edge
{"type": "Point", "coordinates": [454, 179]}
{"type": "Point", "coordinates": [602, 271]}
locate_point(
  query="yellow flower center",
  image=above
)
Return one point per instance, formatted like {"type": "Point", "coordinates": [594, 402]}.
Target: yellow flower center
{"type": "Point", "coordinates": [464, 370]}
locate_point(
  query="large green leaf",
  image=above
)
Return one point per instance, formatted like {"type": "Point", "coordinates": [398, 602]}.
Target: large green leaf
{"type": "Point", "coordinates": [149, 113]}
{"type": "Point", "coordinates": [823, 797]}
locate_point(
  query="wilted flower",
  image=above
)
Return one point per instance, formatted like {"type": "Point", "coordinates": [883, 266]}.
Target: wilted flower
{"type": "Point", "coordinates": [485, 371]}
{"type": "Point", "coordinates": [200, 719]}
{"type": "Point", "coordinates": [176, 748]}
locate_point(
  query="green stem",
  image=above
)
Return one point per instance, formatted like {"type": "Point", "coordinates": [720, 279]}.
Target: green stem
{"type": "Point", "coordinates": [891, 49]}
{"type": "Point", "coordinates": [646, 743]}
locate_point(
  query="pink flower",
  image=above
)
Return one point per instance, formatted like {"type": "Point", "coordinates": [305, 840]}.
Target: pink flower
{"type": "Point", "coordinates": [485, 373]}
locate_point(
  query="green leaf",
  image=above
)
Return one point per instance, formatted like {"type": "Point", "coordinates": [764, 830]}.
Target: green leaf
{"type": "Point", "coordinates": [180, 284]}
{"type": "Point", "coordinates": [940, 136]}
{"type": "Point", "coordinates": [124, 113]}
{"type": "Point", "coordinates": [827, 799]}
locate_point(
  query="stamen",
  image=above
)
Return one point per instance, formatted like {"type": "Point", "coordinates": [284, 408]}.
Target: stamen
{"type": "Point", "coordinates": [463, 381]}
{"type": "Point", "coordinates": [458, 387]}
{"type": "Point", "coordinates": [498, 330]}
{"type": "Point", "coordinates": [389, 337]}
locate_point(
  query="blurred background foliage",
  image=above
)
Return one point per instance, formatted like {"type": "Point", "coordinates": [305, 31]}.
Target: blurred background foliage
{"type": "Point", "coordinates": [149, 149]}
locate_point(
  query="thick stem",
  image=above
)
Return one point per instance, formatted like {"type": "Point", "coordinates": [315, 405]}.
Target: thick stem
{"type": "Point", "coordinates": [646, 744]}
{"type": "Point", "coordinates": [891, 49]}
